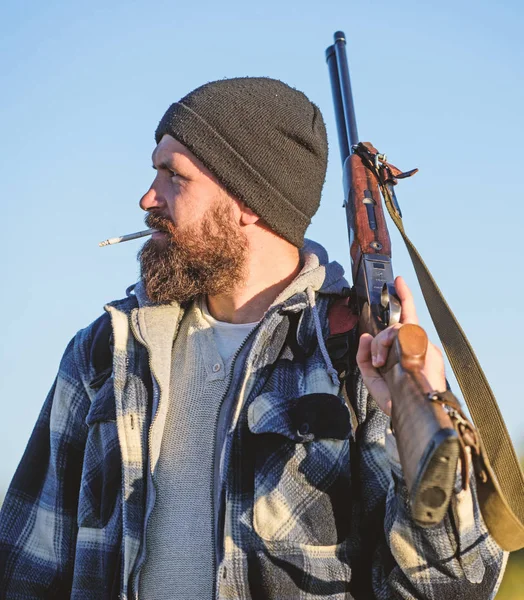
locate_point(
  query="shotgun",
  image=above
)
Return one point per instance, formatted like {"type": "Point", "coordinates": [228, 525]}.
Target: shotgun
{"type": "Point", "coordinates": [428, 444]}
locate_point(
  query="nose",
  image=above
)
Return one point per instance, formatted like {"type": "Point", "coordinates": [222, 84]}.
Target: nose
{"type": "Point", "coordinates": [152, 199]}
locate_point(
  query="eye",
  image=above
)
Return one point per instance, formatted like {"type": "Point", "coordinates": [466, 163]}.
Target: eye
{"type": "Point", "coordinates": [172, 173]}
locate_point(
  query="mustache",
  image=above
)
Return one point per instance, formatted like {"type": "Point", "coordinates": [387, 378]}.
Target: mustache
{"type": "Point", "coordinates": [158, 222]}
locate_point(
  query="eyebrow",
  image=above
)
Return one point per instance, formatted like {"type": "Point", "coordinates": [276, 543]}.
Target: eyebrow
{"type": "Point", "coordinates": [164, 165]}
{"type": "Point", "coordinates": [169, 165]}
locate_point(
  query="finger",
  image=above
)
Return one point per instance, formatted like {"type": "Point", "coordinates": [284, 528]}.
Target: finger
{"type": "Point", "coordinates": [364, 353]}
{"type": "Point", "coordinates": [381, 344]}
{"type": "Point", "coordinates": [409, 312]}
{"type": "Point", "coordinates": [372, 379]}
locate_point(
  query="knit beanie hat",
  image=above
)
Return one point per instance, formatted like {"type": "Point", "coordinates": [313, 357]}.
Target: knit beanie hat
{"type": "Point", "coordinates": [263, 140]}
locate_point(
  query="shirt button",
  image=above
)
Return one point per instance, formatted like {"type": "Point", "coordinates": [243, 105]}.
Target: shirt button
{"type": "Point", "coordinates": [303, 429]}
{"type": "Point", "coordinates": [216, 367]}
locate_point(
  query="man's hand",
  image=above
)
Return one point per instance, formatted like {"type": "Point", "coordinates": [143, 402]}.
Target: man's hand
{"type": "Point", "coordinates": [373, 351]}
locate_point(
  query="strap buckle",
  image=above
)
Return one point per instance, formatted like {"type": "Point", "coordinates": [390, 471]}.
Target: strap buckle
{"type": "Point", "coordinates": [467, 434]}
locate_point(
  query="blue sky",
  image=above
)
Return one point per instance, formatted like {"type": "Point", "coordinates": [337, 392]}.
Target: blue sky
{"type": "Point", "coordinates": [437, 86]}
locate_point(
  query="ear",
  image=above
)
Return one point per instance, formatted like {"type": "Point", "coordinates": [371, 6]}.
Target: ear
{"type": "Point", "coordinates": [247, 216]}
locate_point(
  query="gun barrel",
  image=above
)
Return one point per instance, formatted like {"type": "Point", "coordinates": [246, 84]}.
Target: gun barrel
{"type": "Point", "coordinates": [342, 95]}
{"type": "Point", "coordinates": [343, 139]}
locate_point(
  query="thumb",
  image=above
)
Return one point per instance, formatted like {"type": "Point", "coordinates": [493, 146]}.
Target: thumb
{"type": "Point", "coordinates": [408, 313]}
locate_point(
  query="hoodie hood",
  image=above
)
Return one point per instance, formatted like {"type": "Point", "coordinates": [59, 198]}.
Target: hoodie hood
{"type": "Point", "coordinates": [317, 274]}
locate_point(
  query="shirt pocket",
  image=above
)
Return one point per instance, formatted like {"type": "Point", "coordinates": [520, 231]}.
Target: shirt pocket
{"type": "Point", "coordinates": [102, 467]}
{"type": "Point", "coordinates": [302, 480]}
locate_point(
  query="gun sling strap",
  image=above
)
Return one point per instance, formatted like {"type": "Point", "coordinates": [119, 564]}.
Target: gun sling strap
{"type": "Point", "coordinates": [500, 481]}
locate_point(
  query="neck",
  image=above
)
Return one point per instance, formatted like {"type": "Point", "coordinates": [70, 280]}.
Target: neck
{"type": "Point", "coordinates": [268, 273]}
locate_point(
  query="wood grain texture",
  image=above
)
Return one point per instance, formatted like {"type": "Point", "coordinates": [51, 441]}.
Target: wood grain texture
{"type": "Point", "coordinates": [366, 240]}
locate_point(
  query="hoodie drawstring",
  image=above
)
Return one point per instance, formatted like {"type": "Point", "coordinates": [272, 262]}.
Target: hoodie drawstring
{"type": "Point", "coordinates": [321, 343]}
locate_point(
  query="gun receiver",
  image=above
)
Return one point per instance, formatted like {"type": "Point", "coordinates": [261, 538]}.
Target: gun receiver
{"type": "Point", "coordinates": [428, 444]}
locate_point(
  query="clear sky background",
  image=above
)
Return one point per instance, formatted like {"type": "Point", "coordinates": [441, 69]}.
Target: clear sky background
{"type": "Point", "coordinates": [437, 86]}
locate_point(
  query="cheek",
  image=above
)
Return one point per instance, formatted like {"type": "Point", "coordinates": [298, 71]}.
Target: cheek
{"type": "Point", "coordinates": [187, 210]}
{"type": "Point", "coordinates": [179, 208]}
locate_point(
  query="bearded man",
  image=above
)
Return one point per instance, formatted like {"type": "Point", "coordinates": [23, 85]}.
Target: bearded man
{"type": "Point", "coordinates": [196, 443]}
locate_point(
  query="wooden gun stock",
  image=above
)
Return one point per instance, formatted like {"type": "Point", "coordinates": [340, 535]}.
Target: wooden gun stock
{"type": "Point", "coordinates": [427, 442]}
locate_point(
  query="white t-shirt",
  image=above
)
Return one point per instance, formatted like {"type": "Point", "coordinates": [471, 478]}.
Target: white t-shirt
{"type": "Point", "coordinates": [228, 336]}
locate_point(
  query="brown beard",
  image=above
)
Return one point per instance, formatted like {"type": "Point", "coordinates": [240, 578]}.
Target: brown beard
{"type": "Point", "coordinates": [207, 258]}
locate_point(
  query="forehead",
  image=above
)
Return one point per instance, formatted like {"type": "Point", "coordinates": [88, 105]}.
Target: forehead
{"type": "Point", "coordinates": [169, 151]}
{"type": "Point", "coordinates": [172, 154]}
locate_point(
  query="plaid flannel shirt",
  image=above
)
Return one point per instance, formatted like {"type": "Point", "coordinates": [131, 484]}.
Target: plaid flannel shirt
{"type": "Point", "coordinates": [309, 508]}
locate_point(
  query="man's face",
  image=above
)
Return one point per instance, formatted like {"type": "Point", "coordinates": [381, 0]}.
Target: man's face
{"type": "Point", "coordinates": [200, 248]}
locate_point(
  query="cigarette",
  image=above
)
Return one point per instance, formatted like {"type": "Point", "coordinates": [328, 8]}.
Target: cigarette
{"type": "Point", "coordinates": [126, 238]}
